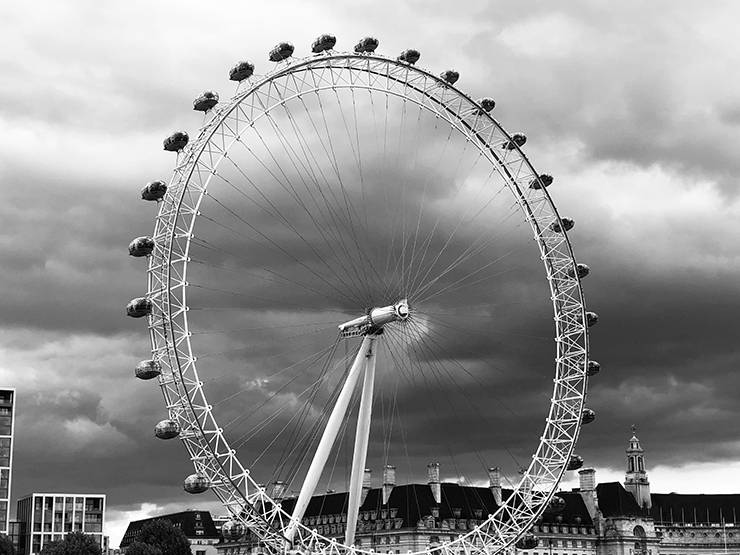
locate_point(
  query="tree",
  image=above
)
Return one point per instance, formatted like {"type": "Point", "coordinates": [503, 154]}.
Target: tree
{"type": "Point", "coordinates": [164, 536]}
{"type": "Point", "coordinates": [74, 543]}
{"type": "Point", "coordinates": [138, 548]}
{"type": "Point", "coordinates": [6, 546]}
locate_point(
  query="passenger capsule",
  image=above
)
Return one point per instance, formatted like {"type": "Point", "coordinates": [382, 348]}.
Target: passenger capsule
{"type": "Point", "coordinates": [564, 224]}
{"type": "Point", "coordinates": [233, 530]}
{"type": "Point", "coordinates": [588, 416]}
{"type": "Point", "coordinates": [196, 483]}
{"type": "Point", "coordinates": [176, 141]}
{"type": "Point", "coordinates": [154, 190]}
{"type": "Point", "coordinates": [281, 51]}
{"type": "Point", "coordinates": [409, 56]}
{"type": "Point", "coordinates": [206, 101]}
{"type": "Point", "coordinates": [517, 139]}
{"type": "Point", "coordinates": [487, 103]}
{"type": "Point", "coordinates": [528, 541]}
{"type": "Point", "coordinates": [139, 307]}
{"type": "Point", "coordinates": [593, 368]}
{"type": "Point", "coordinates": [575, 462]}
{"type": "Point", "coordinates": [241, 71]}
{"type": "Point", "coordinates": [322, 44]}
{"type": "Point", "coordinates": [556, 505]}
{"type": "Point", "coordinates": [582, 270]}
{"type": "Point", "coordinates": [141, 246]}
{"type": "Point", "coordinates": [591, 319]}
{"type": "Point", "coordinates": [148, 369]}
{"type": "Point", "coordinates": [167, 429]}
{"type": "Point", "coordinates": [450, 76]}
{"type": "Point", "coordinates": [541, 182]}
{"type": "Point", "coordinates": [368, 44]}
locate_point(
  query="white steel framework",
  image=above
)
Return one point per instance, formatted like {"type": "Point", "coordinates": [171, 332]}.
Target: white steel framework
{"type": "Point", "coordinates": [168, 290]}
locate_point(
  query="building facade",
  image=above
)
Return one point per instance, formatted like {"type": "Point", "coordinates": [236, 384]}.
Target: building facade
{"type": "Point", "coordinates": [7, 429]}
{"type": "Point", "coordinates": [48, 517]}
{"type": "Point", "coordinates": [197, 526]}
{"type": "Point", "coordinates": [593, 519]}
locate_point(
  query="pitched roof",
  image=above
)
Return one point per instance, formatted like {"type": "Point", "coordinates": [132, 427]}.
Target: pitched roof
{"type": "Point", "coordinates": [415, 501]}
{"type": "Point", "coordinates": [188, 521]}
{"type": "Point", "coordinates": [614, 500]}
{"type": "Point", "coordinates": [695, 508]}
{"type": "Point", "coordinates": [574, 509]}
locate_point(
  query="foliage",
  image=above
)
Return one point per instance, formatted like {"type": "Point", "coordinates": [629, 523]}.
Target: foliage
{"type": "Point", "coordinates": [138, 548]}
{"type": "Point", "coordinates": [6, 546]}
{"type": "Point", "coordinates": [74, 543]}
{"type": "Point", "coordinates": [163, 535]}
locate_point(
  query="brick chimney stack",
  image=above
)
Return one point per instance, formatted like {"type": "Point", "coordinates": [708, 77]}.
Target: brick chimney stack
{"type": "Point", "coordinates": [433, 481]}
{"type": "Point", "coordinates": [278, 490]}
{"type": "Point", "coordinates": [367, 484]}
{"type": "Point", "coordinates": [587, 478]}
{"type": "Point", "coordinates": [494, 482]}
{"type": "Point", "coordinates": [389, 481]}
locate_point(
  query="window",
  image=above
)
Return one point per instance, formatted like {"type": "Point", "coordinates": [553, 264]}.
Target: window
{"type": "Point", "coordinates": [200, 552]}
{"type": "Point", "coordinates": [4, 481]}
{"type": "Point", "coordinates": [6, 421]}
{"type": "Point", "coordinates": [5, 451]}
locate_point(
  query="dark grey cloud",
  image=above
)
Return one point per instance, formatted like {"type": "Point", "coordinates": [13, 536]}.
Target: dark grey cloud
{"type": "Point", "coordinates": [629, 106]}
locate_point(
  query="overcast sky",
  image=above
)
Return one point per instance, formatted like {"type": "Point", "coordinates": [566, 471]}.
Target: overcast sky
{"type": "Point", "coordinates": [633, 106]}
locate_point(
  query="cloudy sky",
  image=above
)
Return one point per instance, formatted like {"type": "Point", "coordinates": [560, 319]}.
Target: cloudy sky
{"type": "Point", "coordinates": [632, 106]}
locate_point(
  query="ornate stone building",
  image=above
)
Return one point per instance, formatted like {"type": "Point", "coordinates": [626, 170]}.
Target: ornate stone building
{"type": "Point", "coordinates": [604, 519]}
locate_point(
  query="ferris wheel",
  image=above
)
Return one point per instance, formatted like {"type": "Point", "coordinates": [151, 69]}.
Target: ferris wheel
{"type": "Point", "coordinates": [343, 259]}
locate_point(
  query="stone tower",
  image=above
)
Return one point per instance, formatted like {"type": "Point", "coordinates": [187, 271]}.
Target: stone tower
{"type": "Point", "coordinates": [636, 480]}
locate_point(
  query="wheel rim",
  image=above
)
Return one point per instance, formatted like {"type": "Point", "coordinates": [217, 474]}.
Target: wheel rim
{"type": "Point", "coordinates": [168, 283]}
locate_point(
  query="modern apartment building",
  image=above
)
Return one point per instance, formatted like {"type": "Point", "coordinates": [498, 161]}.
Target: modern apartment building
{"type": "Point", "coordinates": [49, 516]}
{"type": "Point", "coordinates": [7, 425]}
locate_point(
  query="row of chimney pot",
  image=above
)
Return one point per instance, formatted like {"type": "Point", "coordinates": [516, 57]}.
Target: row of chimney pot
{"type": "Point", "coordinates": [587, 483]}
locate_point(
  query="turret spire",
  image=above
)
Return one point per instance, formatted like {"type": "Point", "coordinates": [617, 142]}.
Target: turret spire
{"type": "Point", "coordinates": [636, 480]}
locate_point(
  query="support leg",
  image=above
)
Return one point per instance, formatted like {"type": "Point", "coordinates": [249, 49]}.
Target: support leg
{"type": "Point", "coordinates": [360, 455]}
{"type": "Point", "coordinates": [327, 440]}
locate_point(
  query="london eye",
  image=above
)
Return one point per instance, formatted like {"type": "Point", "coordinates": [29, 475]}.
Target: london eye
{"type": "Point", "coordinates": [353, 266]}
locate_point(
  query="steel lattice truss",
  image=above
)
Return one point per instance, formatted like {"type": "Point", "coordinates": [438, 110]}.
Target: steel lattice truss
{"type": "Point", "coordinates": [168, 287]}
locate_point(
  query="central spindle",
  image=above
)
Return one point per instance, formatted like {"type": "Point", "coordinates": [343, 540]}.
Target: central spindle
{"type": "Point", "coordinates": [378, 317]}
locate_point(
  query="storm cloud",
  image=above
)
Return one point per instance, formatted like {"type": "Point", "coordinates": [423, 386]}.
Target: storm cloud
{"type": "Point", "coordinates": [632, 107]}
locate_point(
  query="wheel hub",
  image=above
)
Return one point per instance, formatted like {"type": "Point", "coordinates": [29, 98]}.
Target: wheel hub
{"type": "Point", "coordinates": [375, 318]}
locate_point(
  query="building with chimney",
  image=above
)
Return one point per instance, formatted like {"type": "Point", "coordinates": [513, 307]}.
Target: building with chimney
{"type": "Point", "coordinates": [593, 519]}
